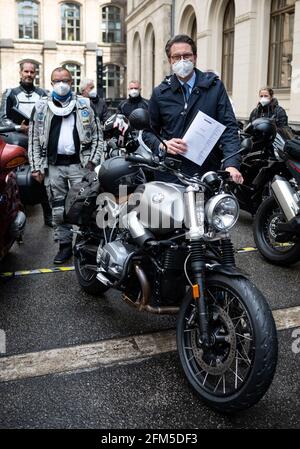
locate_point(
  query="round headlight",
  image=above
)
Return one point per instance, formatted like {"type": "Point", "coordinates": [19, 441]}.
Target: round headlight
{"type": "Point", "coordinates": [222, 212]}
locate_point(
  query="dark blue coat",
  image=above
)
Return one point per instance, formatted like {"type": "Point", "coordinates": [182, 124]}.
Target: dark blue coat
{"type": "Point", "coordinates": [170, 119]}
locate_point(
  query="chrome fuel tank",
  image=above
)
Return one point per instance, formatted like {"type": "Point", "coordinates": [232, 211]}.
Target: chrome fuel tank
{"type": "Point", "coordinates": [160, 206]}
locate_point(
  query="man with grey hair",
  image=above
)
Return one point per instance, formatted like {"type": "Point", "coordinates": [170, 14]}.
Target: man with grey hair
{"type": "Point", "coordinates": [87, 89]}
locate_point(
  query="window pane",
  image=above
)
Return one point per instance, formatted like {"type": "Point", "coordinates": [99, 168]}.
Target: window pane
{"type": "Point", "coordinates": [75, 70]}
{"type": "Point", "coordinates": [111, 24]}
{"type": "Point", "coordinates": [111, 81]}
{"type": "Point", "coordinates": [28, 19]}
{"type": "Point", "coordinates": [70, 22]}
{"type": "Point", "coordinates": [281, 45]}
{"type": "Point", "coordinates": [228, 46]}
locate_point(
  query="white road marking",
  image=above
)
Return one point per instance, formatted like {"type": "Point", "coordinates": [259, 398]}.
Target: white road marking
{"type": "Point", "coordinates": [107, 352]}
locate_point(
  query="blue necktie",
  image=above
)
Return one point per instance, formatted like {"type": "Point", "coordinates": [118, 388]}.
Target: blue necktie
{"type": "Point", "coordinates": [186, 90]}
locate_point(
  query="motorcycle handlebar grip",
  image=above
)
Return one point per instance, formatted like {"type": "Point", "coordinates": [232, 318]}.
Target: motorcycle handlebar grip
{"type": "Point", "coordinates": [7, 129]}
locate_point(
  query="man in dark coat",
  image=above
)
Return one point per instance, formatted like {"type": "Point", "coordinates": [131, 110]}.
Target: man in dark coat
{"type": "Point", "coordinates": [177, 100]}
{"type": "Point", "coordinates": [134, 100]}
{"type": "Point", "coordinates": [268, 107]}
{"type": "Point", "coordinates": [87, 89]}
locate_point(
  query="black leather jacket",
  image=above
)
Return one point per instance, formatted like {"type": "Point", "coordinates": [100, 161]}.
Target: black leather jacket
{"type": "Point", "coordinates": [23, 99]}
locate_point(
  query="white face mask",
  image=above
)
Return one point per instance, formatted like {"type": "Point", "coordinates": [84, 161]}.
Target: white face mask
{"type": "Point", "coordinates": [183, 68]}
{"type": "Point", "coordinates": [264, 101]}
{"type": "Point", "coordinates": [134, 93]}
{"type": "Point", "coordinates": [61, 88]}
{"type": "Point", "coordinates": [93, 94]}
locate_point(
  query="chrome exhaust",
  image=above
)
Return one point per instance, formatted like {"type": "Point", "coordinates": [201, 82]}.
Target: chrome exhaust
{"type": "Point", "coordinates": [286, 197]}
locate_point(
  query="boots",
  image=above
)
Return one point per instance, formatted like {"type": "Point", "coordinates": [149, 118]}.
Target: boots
{"type": "Point", "coordinates": [47, 212]}
{"type": "Point", "coordinates": [64, 253]}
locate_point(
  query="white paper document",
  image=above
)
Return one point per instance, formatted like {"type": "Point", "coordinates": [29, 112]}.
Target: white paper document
{"type": "Point", "coordinates": [201, 136]}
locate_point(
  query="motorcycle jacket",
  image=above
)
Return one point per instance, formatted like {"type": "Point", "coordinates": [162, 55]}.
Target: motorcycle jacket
{"type": "Point", "coordinates": [21, 98]}
{"type": "Point", "coordinates": [90, 138]}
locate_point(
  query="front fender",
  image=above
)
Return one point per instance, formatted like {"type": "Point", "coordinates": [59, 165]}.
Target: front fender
{"type": "Point", "coordinates": [228, 271]}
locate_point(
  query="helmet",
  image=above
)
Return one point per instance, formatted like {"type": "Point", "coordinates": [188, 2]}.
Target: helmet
{"type": "Point", "coordinates": [115, 126]}
{"type": "Point", "coordinates": [117, 171]}
{"type": "Point", "coordinates": [263, 130]}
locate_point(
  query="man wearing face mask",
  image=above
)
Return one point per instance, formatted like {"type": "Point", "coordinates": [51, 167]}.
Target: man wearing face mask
{"type": "Point", "coordinates": [87, 89]}
{"type": "Point", "coordinates": [268, 107]}
{"type": "Point", "coordinates": [177, 100]}
{"type": "Point", "coordinates": [134, 100]}
{"type": "Point", "coordinates": [65, 142]}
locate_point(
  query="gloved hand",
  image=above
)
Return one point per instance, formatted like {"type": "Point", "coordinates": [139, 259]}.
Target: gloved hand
{"type": "Point", "coordinates": [90, 166]}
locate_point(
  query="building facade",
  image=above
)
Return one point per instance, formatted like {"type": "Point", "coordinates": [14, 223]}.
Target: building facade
{"type": "Point", "coordinates": [53, 33]}
{"type": "Point", "coordinates": [250, 43]}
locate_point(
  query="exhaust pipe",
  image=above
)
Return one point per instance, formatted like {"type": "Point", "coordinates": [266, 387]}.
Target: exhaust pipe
{"type": "Point", "coordinates": [286, 197]}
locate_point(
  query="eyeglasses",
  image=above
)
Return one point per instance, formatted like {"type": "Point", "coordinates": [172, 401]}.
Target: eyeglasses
{"type": "Point", "coordinates": [185, 56]}
{"type": "Point", "coordinates": [61, 81]}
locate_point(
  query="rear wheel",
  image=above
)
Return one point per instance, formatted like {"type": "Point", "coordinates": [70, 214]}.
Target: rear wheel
{"type": "Point", "coordinates": [266, 235]}
{"type": "Point", "coordinates": [85, 275]}
{"type": "Point", "coordinates": [236, 370]}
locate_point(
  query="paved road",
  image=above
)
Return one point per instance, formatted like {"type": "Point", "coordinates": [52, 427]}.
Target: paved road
{"type": "Point", "coordinates": [44, 312]}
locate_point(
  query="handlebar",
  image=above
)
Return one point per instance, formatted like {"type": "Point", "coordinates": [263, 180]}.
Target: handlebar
{"type": "Point", "coordinates": [10, 128]}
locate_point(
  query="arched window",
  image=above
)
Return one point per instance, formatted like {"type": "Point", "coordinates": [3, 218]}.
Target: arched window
{"type": "Point", "coordinates": [111, 25]}
{"type": "Point", "coordinates": [281, 43]}
{"type": "Point", "coordinates": [28, 19]}
{"type": "Point", "coordinates": [228, 46]}
{"type": "Point", "coordinates": [70, 22]}
{"type": "Point", "coordinates": [111, 81]}
{"type": "Point", "coordinates": [75, 71]}
{"type": "Point", "coordinates": [194, 30]}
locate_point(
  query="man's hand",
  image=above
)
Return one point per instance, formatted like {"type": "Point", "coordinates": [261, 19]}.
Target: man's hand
{"type": "Point", "coordinates": [235, 175]}
{"type": "Point", "coordinates": [38, 176]}
{"type": "Point", "coordinates": [90, 166]}
{"type": "Point", "coordinates": [175, 146]}
{"type": "Point", "coordinates": [24, 128]}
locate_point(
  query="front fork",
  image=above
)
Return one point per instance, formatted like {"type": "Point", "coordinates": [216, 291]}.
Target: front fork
{"type": "Point", "coordinates": [194, 203]}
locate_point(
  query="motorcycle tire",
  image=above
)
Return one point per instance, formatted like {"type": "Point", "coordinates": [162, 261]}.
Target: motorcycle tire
{"type": "Point", "coordinates": [264, 232]}
{"type": "Point", "coordinates": [87, 278]}
{"type": "Point", "coordinates": [237, 370]}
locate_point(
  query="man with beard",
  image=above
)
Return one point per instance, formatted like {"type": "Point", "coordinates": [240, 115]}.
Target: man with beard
{"type": "Point", "coordinates": [18, 103]}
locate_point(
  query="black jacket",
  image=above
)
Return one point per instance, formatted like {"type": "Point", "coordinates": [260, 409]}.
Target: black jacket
{"type": "Point", "coordinates": [100, 108]}
{"type": "Point", "coordinates": [130, 104]}
{"type": "Point", "coordinates": [272, 110]}
{"type": "Point", "coordinates": [170, 119]}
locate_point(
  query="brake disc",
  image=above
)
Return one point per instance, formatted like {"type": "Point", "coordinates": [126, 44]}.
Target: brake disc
{"type": "Point", "coordinates": [219, 364]}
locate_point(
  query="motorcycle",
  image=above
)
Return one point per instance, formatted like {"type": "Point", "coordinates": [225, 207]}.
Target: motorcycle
{"type": "Point", "coordinates": [167, 248]}
{"type": "Point", "coordinates": [260, 164]}
{"type": "Point", "coordinates": [12, 216]}
{"type": "Point", "coordinates": [276, 226]}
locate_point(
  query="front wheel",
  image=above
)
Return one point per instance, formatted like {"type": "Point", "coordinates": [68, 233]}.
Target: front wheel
{"type": "Point", "coordinates": [266, 236]}
{"type": "Point", "coordinates": [236, 370]}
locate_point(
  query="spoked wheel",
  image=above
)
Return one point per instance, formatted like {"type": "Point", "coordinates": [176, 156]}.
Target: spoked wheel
{"type": "Point", "coordinates": [235, 371]}
{"type": "Point", "coordinates": [85, 276]}
{"type": "Point", "coordinates": [266, 235]}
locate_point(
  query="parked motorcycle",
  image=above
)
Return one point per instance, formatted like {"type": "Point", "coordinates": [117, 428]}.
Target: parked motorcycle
{"type": "Point", "coordinates": [167, 248]}
{"type": "Point", "coordinates": [12, 216]}
{"type": "Point", "coordinates": [276, 225]}
{"type": "Point", "coordinates": [260, 164]}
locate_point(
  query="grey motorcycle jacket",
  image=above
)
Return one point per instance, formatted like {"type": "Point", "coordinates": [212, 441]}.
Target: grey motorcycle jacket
{"type": "Point", "coordinates": [21, 99]}
{"type": "Point", "coordinates": [87, 126]}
